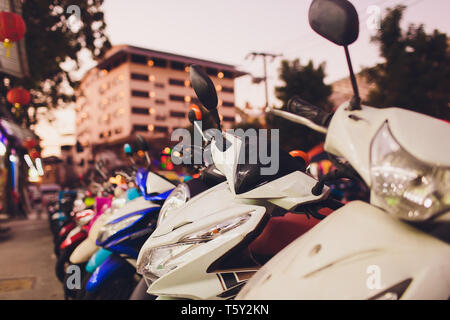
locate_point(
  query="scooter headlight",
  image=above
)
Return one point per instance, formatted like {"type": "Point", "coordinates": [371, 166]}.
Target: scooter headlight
{"type": "Point", "coordinates": [114, 226]}
{"type": "Point", "coordinates": [161, 260]}
{"type": "Point", "coordinates": [176, 199]}
{"type": "Point", "coordinates": [403, 185]}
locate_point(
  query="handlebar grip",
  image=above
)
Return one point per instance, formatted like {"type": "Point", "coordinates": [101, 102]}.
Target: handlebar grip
{"type": "Point", "coordinates": [309, 111]}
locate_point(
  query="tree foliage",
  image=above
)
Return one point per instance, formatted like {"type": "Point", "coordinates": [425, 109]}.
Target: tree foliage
{"type": "Point", "coordinates": [416, 71]}
{"type": "Point", "coordinates": [52, 40]}
{"type": "Point", "coordinates": [307, 82]}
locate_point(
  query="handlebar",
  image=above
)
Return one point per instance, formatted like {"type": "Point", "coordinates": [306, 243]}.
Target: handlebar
{"type": "Point", "coordinates": [306, 114]}
{"type": "Point", "coordinates": [309, 111]}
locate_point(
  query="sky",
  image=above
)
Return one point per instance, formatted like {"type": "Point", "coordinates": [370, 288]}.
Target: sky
{"type": "Point", "coordinates": [227, 30]}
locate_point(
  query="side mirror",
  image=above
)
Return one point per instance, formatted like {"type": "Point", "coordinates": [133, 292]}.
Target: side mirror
{"type": "Point", "coordinates": [335, 20]}
{"type": "Point", "coordinates": [127, 149]}
{"type": "Point", "coordinates": [205, 90]}
{"type": "Point", "coordinates": [204, 87]}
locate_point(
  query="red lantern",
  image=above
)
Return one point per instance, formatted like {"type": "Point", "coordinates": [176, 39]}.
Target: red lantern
{"type": "Point", "coordinates": [18, 96]}
{"type": "Point", "coordinates": [12, 29]}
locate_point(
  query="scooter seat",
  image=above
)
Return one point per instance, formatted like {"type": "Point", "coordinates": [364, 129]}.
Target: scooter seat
{"type": "Point", "coordinates": [281, 231]}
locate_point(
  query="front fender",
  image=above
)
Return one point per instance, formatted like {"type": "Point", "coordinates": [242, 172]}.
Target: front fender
{"type": "Point", "coordinates": [83, 252]}
{"type": "Point", "coordinates": [112, 264]}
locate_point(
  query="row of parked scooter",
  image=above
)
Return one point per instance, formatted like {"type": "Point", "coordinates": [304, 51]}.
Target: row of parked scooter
{"type": "Point", "coordinates": [234, 232]}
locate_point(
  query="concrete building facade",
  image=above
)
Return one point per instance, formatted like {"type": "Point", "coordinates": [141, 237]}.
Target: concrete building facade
{"type": "Point", "coordinates": [141, 91]}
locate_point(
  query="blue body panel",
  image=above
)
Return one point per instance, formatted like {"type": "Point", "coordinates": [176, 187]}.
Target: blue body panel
{"type": "Point", "coordinates": [104, 271]}
{"type": "Point", "coordinates": [161, 197]}
{"type": "Point", "coordinates": [126, 241]}
{"type": "Point", "coordinates": [141, 181]}
{"type": "Point", "coordinates": [127, 245]}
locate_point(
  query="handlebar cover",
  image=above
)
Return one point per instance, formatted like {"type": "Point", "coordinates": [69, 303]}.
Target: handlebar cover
{"type": "Point", "coordinates": [309, 111]}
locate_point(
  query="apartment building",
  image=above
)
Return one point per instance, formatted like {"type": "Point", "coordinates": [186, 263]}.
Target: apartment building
{"type": "Point", "coordinates": [141, 91]}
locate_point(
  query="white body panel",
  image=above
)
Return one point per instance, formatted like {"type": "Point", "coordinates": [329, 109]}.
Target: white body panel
{"type": "Point", "coordinates": [156, 184]}
{"type": "Point", "coordinates": [87, 248]}
{"type": "Point", "coordinates": [134, 205]}
{"type": "Point", "coordinates": [190, 279]}
{"type": "Point", "coordinates": [333, 260]}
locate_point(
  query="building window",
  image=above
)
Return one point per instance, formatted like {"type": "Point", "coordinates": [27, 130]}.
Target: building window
{"type": "Point", "coordinates": [177, 114]}
{"type": "Point", "coordinates": [100, 135]}
{"type": "Point", "coordinates": [160, 117]}
{"type": "Point", "coordinates": [139, 110]}
{"type": "Point", "coordinates": [138, 93]}
{"type": "Point", "coordinates": [139, 76]}
{"type": "Point", "coordinates": [229, 119]}
{"type": "Point", "coordinates": [118, 131]}
{"type": "Point", "coordinates": [161, 63]}
{"type": "Point", "coordinates": [160, 101]}
{"type": "Point", "coordinates": [228, 104]}
{"type": "Point", "coordinates": [212, 71]}
{"type": "Point", "coordinates": [176, 82]}
{"type": "Point", "coordinates": [159, 85]}
{"type": "Point", "coordinates": [228, 74]}
{"type": "Point", "coordinates": [228, 89]}
{"type": "Point", "coordinates": [177, 65]}
{"type": "Point", "coordinates": [140, 127]}
{"type": "Point", "coordinates": [161, 129]}
{"type": "Point", "coordinates": [174, 97]}
{"type": "Point", "coordinates": [137, 58]}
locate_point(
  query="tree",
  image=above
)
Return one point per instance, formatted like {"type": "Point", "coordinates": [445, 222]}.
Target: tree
{"type": "Point", "coordinates": [54, 41]}
{"type": "Point", "coordinates": [305, 81]}
{"type": "Point", "coordinates": [416, 71]}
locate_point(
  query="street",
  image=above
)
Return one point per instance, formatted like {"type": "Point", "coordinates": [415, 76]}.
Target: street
{"type": "Point", "coordinates": [27, 261]}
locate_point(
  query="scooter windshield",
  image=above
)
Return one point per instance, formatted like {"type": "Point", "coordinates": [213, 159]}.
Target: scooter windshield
{"type": "Point", "coordinates": [248, 173]}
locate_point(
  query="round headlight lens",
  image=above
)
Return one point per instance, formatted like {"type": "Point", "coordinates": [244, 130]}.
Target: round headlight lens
{"type": "Point", "coordinates": [179, 196]}
{"type": "Point", "coordinates": [403, 185]}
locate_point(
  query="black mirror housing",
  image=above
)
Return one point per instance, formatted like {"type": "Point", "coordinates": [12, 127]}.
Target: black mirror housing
{"type": "Point", "coordinates": [335, 20]}
{"type": "Point", "coordinates": [204, 87]}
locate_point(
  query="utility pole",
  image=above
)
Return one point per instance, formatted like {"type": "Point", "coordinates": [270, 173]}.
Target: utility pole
{"type": "Point", "coordinates": [264, 55]}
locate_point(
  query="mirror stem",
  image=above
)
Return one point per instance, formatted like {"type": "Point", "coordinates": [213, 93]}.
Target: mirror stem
{"type": "Point", "coordinates": [355, 103]}
{"type": "Point", "coordinates": [216, 118]}
{"type": "Point", "coordinates": [147, 157]}
{"type": "Point", "coordinates": [200, 131]}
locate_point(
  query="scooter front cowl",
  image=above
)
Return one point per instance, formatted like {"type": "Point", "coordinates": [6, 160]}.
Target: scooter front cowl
{"type": "Point", "coordinates": [185, 263]}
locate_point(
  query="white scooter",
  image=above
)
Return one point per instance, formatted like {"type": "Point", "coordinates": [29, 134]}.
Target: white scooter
{"type": "Point", "coordinates": [396, 247]}
{"type": "Point", "coordinates": [201, 249]}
